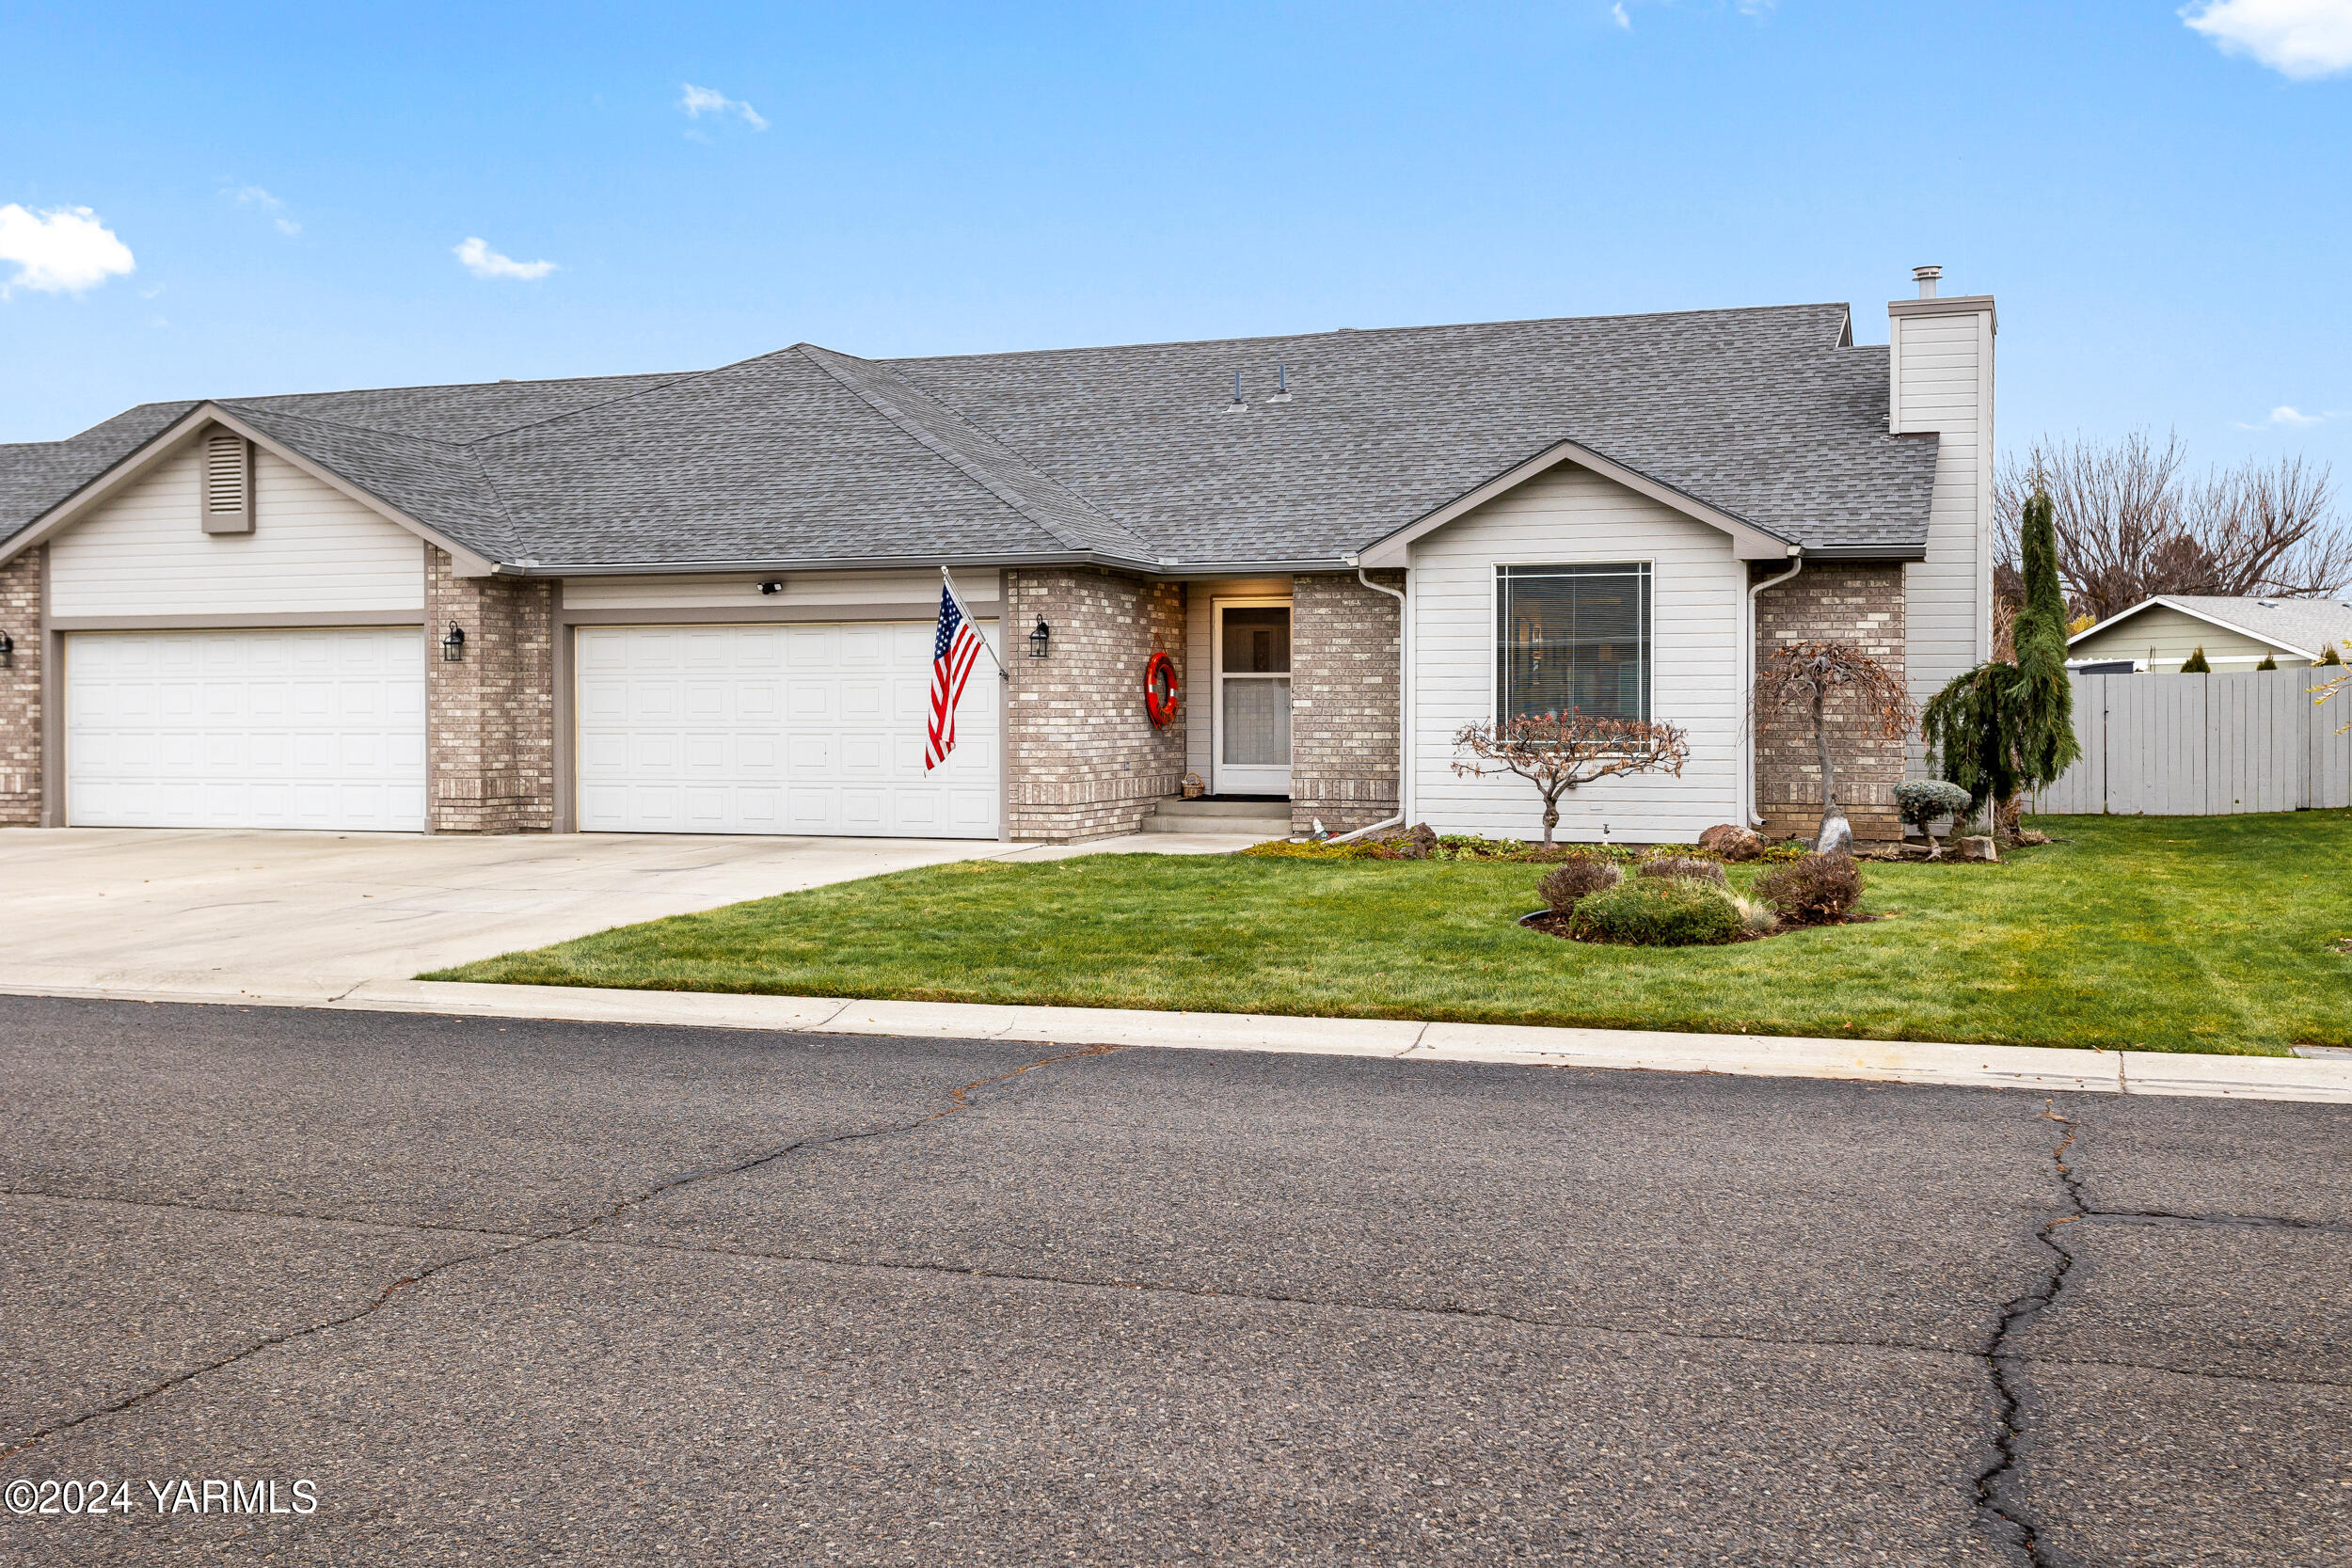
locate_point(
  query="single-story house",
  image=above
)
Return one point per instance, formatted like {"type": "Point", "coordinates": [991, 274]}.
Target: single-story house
{"type": "Point", "coordinates": [705, 602]}
{"type": "Point", "coordinates": [2236, 633]}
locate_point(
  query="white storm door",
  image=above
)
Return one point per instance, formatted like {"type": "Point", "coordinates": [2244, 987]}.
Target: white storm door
{"type": "Point", "coordinates": [783, 728]}
{"type": "Point", "coordinates": [1253, 697]}
{"type": "Point", "coordinates": [321, 728]}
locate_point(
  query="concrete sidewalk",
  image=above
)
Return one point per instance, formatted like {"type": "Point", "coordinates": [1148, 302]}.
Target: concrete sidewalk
{"type": "Point", "coordinates": [2046, 1069]}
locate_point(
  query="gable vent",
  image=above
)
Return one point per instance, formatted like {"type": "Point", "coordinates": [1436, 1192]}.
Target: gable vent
{"type": "Point", "coordinates": [227, 484]}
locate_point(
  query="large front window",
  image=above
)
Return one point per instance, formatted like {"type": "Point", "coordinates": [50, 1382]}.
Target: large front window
{"type": "Point", "coordinates": [1573, 637]}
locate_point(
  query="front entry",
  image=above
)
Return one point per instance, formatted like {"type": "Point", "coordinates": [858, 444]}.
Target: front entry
{"type": "Point", "coordinates": [1253, 697]}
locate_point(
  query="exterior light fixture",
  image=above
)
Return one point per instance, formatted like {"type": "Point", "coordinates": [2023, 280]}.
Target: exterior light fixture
{"type": "Point", "coordinates": [8, 651]}
{"type": "Point", "coordinates": [772, 586]}
{"type": "Point", "coordinates": [1040, 639]}
{"type": "Point", "coordinates": [454, 645]}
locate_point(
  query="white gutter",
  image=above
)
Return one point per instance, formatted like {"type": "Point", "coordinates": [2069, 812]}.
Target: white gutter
{"type": "Point", "coordinates": [1747, 688]}
{"type": "Point", "coordinates": [1404, 713]}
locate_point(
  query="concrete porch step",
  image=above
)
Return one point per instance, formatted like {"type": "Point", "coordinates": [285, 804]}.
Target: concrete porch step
{"type": "Point", "coordinates": [1258, 819]}
{"type": "Point", "coordinates": [1206, 807]}
{"type": "Point", "coordinates": [1256, 827]}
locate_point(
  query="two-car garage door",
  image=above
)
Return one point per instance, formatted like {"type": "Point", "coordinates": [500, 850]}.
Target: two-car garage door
{"type": "Point", "coordinates": [811, 728]}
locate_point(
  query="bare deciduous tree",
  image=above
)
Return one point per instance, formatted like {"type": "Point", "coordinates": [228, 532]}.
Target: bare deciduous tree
{"type": "Point", "coordinates": [2131, 524]}
{"type": "Point", "coordinates": [1808, 676]}
{"type": "Point", "coordinates": [1558, 751]}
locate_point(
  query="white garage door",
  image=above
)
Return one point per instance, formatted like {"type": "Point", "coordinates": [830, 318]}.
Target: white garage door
{"type": "Point", "coordinates": [777, 729]}
{"type": "Point", "coordinates": [245, 729]}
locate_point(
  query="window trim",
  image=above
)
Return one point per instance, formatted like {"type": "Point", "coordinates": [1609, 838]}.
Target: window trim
{"type": "Point", "coordinates": [1496, 650]}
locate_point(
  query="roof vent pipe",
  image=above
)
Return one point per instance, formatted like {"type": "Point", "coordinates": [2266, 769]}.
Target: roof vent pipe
{"type": "Point", "coordinates": [1926, 278]}
{"type": "Point", "coordinates": [1281, 384]}
{"type": "Point", "coordinates": [1237, 405]}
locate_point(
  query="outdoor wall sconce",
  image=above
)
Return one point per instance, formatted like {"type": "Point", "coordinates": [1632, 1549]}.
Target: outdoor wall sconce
{"type": "Point", "coordinates": [454, 645]}
{"type": "Point", "coordinates": [1040, 639]}
{"type": "Point", "coordinates": [8, 651]}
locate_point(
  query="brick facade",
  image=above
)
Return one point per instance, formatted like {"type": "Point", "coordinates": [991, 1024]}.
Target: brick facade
{"type": "Point", "coordinates": [1344, 700]}
{"type": "Point", "coordinates": [19, 690]}
{"type": "Point", "coordinates": [490, 718]}
{"type": "Point", "coordinates": [1082, 758]}
{"type": "Point", "coordinates": [1861, 604]}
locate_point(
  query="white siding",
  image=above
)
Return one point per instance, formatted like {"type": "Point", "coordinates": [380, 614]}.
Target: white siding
{"type": "Point", "coordinates": [741, 590]}
{"type": "Point", "coordinates": [1942, 381]}
{"type": "Point", "coordinates": [1200, 707]}
{"type": "Point", "coordinates": [143, 553]}
{"type": "Point", "coordinates": [1572, 515]}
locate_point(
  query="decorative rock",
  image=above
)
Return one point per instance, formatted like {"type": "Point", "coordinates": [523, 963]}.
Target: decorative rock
{"type": "Point", "coordinates": [1732, 843]}
{"type": "Point", "coordinates": [1836, 836]}
{"type": "Point", "coordinates": [1977, 847]}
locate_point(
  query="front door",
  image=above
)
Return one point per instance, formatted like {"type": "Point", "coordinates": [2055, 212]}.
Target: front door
{"type": "Point", "coordinates": [1253, 697]}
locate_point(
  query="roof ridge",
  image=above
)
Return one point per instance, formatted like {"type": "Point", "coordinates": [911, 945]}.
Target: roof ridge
{"type": "Point", "coordinates": [1362, 332]}
{"type": "Point", "coordinates": [903, 404]}
{"type": "Point", "coordinates": [245, 409]}
{"type": "Point", "coordinates": [661, 385]}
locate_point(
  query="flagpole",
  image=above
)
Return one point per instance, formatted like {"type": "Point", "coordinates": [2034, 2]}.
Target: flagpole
{"type": "Point", "coordinates": [965, 610]}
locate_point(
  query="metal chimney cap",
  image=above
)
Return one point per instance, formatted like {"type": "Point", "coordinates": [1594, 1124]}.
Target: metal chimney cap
{"type": "Point", "coordinates": [1926, 278]}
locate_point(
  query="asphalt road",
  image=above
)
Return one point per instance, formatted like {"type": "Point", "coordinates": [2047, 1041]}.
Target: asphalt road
{"type": "Point", "coordinates": [552, 1292]}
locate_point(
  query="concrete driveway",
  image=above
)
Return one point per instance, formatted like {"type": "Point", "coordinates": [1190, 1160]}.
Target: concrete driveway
{"type": "Point", "coordinates": [121, 906]}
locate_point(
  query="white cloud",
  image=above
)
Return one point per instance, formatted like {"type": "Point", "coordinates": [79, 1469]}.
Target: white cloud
{"type": "Point", "coordinates": [2301, 39]}
{"type": "Point", "coordinates": [63, 250]}
{"type": "Point", "coordinates": [1616, 14]}
{"type": "Point", "coordinates": [698, 101]}
{"type": "Point", "coordinates": [2285, 415]}
{"type": "Point", "coordinates": [254, 196]}
{"type": "Point", "coordinates": [485, 262]}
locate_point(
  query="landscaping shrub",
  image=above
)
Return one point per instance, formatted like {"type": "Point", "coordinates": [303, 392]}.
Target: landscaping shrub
{"type": "Point", "coordinates": [1757, 917]}
{"type": "Point", "coordinates": [1575, 879]}
{"type": "Point", "coordinates": [1659, 911]}
{"type": "Point", "coordinates": [2195, 664]}
{"type": "Point", "coordinates": [1923, 800]}
{"type": "Point", "coordinates": [1813, 891]}
{"type": "Point", "coordinates": [1684, 866]}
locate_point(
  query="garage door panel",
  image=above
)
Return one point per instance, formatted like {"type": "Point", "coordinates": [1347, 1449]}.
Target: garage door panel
{"type": "Point", "coordinates": [246, 729]}
{"type": "Point", "coordinates": [803, 729]}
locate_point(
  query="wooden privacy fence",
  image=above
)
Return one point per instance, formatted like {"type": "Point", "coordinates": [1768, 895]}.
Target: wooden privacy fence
{"type": "Point", "coordinates": [2204, 745]}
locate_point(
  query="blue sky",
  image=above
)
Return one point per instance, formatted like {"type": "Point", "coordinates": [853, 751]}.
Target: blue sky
{"type": "Point", "coordinates": [2160, 209]}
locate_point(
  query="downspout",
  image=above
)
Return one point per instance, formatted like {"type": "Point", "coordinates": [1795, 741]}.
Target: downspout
{"type": "Point", "coordinates": [1402, 704]}
{"type": "Point", "coordinates": [1747, 688]}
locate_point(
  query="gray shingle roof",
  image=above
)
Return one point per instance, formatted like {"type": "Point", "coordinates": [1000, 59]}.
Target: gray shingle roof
{"type": "Point", "coordinates": [1131, 453]}
{"type": "Point", "coordinates": [2308, 626]}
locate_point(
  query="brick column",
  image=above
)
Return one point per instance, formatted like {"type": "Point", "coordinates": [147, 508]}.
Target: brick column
{"type": "Point", "coordinates": [1861, 604]}
{"type": "Point", "coordinates": [1082, 759]}
{"type": "Point", "coordinates": [489, 719]}
{"type": "Point", "coordinates": [19, 690]}
{"type": "Point", "coordinates": [1345, 690]}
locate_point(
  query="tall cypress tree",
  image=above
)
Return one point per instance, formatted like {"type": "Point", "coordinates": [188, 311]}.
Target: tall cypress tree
{"type": "Point", "coordinates": [2004, 727]}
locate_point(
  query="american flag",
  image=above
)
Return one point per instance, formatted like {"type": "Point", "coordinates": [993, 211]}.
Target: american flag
{"type": "Point", "coordinates": [953, 654]}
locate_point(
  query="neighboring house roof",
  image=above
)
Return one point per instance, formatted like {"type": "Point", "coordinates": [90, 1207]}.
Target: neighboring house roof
{"type": "Point", "coordinates": [1766, 416]}
{"type": "Point", "coordinates": [2300, 626]}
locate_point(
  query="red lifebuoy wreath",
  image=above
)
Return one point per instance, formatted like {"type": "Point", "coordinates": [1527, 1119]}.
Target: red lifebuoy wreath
{"type": "Point", "coordinates": [1161, 689]}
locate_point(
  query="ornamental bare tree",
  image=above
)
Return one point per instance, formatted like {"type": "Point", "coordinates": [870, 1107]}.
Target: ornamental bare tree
{"type": "Point", "coordinates": [2132, 524]}
{"type": "Point", "coordinates": [1808, 678]}
{"type": "Point", "coordinates": [1558, 751]}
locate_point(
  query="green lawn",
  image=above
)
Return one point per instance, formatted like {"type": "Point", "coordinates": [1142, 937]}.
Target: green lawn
{"type": "Point", "coordinates": [2159, 933]}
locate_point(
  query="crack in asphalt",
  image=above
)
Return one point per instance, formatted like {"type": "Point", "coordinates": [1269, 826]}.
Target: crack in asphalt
{"type": "Point", "coordinates": [957, 1099]}
{"type": "Point", "coordinates": [959, 1271]}
{"type": "Point", "coordinates": [233, 1210]}
{"type": "Point", "coordinates": [1992, 1481]}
